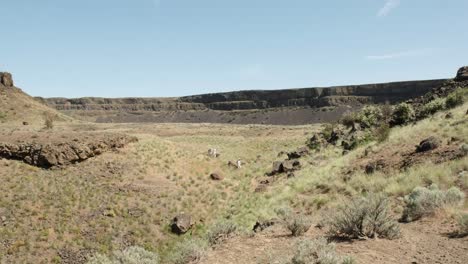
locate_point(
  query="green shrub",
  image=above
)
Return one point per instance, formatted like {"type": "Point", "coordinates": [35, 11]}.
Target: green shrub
{"type": "Point", "coordinates": [298, 224]}
{"type": "Point", "coordinates": [318, 251]}
{"type": "Point", "coordinates": [188, 251]}
{"type": "Point", "coordinates": [221, 231]}
{"type": "Point", "coordinates": [131, 255]}
{"type": "Point", "coordinates": [425, 201]}
{"type": "Point", "coordinates": [2, 116]}
{"type": "Point", "coordinates": [364, 217]}
{"type": "Point", "coordinates": [369, 116]}
{"type": "Point", "coordinates": [432, 107]}
{"type": "Point", "coordinates": [403, 114]}
{"type": "Point", "coordinates": [455, 99]}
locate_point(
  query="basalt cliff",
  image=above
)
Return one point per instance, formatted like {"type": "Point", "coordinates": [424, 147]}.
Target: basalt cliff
{"type": "Point", "coordinates": [289, 106]}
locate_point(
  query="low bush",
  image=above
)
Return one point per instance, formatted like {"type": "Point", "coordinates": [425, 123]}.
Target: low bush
{"type": "Point", "coordinates": [188, 251]}
{"type": "Point", "coordinates": [432, 107]}
{"type": "Point", "coordinates": [455, 99]}
{"type": "Point", "coordinates": [221, 231]}
{"type": "Point", "coordinates": [364, 217]}
{"type": "Point", "coordinates": [298, 224]}
{"type": "Point", "coordinates": [425, 201]}
{"type": "Point", "coordinates": [403, 114]}
{"type": "Point", "coordinates": [318, 251]}
{"type": "Point", "coordinates": [463, 224]}
{"type": "Point", "coordinates": [48, 120]}
{"type": "Point", "coordinates": [369, 116]}
{"type": "Point", "coordinates": [131, 255]}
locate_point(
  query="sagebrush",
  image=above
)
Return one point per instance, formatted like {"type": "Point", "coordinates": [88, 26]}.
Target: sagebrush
{"type": "Point", "coordinates": [424, 201]}
{"type": "Point", "coordinates": [364, 217]}
{"type": "Point", "coordinates": [318, 251]}
{"type": "Point", "coordinates": [131, 255]}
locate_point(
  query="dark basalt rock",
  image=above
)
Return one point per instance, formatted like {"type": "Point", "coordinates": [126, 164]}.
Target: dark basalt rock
{"type": "Point", "coordinates": [428, 144]}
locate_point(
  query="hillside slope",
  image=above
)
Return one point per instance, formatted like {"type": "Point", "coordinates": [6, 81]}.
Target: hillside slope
{"type": "Point", "coordinates": [17, 107]}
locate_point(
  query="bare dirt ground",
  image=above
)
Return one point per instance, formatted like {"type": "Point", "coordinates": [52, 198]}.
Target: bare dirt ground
{"type": "Point", "coordinates": [426, 241]}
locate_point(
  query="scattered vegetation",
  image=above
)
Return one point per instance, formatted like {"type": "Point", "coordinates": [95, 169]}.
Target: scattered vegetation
{"type": "Point", "coordinates": [318, 251]}
{"type": "Point", "coordinates": [424, 201]}
{"type": "Point", "coordinates": [220, 231]}
{"type": "Point", "coordinates": [433, 107]}
{"type": "Point", "coordinates": [48, 120]}
{"type": "Point", "coordinates": [188, 251]}
{"type": "Point", "coordinates": [298, 224]}
{"type": "Point", "coordinates": [456, 98]}
{"type": "Point", "coordinates": [364, 217]}
{"type": "Point", "coordinates": [131, 255]}
{"type": "Point", "coordinates": [382, 132]}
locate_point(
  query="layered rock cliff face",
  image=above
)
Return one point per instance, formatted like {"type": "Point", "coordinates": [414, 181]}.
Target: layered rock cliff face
{"type": "Point", "coordinates": [255, 100]}
{"type": "Point", "coordinates": [279, 107]}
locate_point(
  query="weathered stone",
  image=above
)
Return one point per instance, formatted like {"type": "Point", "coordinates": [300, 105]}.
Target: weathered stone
{"type": "Point", "coordinates": [49, 155]}
{"type": "Point", "coordinates": [462, 74]}
{"type": "Point", "coordinates": [299, 153]}
{"type": "Point", "coordinates": [428, 144]}
{"type": "Point", "coordinates": [216, 176]}
{"type": "Point", "coordinates": [6, 79]}
{"type": "Point", "coordinates": [181, 224]}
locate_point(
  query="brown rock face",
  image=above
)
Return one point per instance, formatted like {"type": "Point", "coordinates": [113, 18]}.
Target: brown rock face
{"type": "Point", "coordinates": [462, 74]}
{"type": "Point", "coordinates": [61, 153]}
{"type": "Point", "coordinates": [6, 79]}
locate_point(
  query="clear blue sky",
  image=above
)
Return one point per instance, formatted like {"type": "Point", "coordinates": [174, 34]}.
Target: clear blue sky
{"type": "Point", "coordinates": [118, 48]}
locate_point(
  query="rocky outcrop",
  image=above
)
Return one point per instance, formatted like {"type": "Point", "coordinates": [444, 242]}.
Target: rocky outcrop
{"type": "Point", "coordinates": [47, 155]}
{"type": "Point", "coordinates": [6, 79]}
{"type": "Point", "coordinates": [462, 74]}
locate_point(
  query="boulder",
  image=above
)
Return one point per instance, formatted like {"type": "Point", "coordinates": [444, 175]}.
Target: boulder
{"type": "Point", "coordinates": [6, 79]}
{"type": "Point", "coordinates": [277, 166]}
{"type": "Point", "coordinates": [216, 176]}
{"type": "Point", "coordinates": [181, 224]}
{"type": "Point", "coordinates": [462, 74]}
{"type": "Point", "coordinates": [428, 144]}
{"type": "Point", "coordinates": [299, 153]}
{"type": "Point", "coordinates": [285, 166]}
